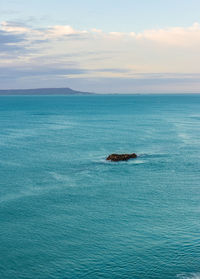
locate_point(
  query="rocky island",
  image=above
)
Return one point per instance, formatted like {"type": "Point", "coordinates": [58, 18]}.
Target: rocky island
{"type": "Point", "coordinates": [121, 157]}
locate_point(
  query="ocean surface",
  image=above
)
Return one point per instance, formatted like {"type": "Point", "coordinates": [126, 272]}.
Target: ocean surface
{"type": "Point", "coordinates": [66, 213]}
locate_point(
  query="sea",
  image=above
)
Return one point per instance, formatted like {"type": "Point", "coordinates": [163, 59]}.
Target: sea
{"type": "Point", "coordinates": [67, 213]}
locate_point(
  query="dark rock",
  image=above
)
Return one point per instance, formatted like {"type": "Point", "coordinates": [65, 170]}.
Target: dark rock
{"type": "Point", "coordinates": [121, 157]}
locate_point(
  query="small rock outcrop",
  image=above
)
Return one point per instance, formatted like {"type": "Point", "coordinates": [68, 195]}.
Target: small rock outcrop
{"type": "Point", "coordinates": [121, 157]}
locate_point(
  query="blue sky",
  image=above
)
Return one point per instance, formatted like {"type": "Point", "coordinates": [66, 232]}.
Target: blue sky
{"type": "Point", "coordinates": [109, 15]}
{"type": "Point", "coordinates": [102, 46]}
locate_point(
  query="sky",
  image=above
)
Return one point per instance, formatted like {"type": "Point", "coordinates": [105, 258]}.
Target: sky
{"type": "Point", "coordinates": [102, 46]}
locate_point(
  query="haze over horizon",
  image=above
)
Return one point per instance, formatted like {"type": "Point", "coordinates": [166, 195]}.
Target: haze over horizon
{"type": "Point", "coordinates": [101, 47]}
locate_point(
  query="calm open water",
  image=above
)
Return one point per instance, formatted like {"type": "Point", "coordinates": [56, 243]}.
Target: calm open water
{"type": "Point", "coordinates": [67, 213]}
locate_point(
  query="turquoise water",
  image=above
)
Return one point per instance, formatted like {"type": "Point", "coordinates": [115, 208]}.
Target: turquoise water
{"type": "Point", "coordinates": [67, 213]}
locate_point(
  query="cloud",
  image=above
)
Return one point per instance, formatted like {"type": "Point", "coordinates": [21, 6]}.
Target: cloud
{"type": "Point", "coordinates": [39, 71]}
{"type": "Point", "coordinates": [14, 27]}
{"type": "Point", "coordinates": [10, 42]}
{"type": "Point", "coordinates": [96, 30]}
{"type": "Point", "coordinates": [40, 34]}
{"type": "Point", "coordinates": [60, 31]}
{"type": "Point", "coordinates": [6, 38]}
{"type": "Point", "coordinates": [62, 54]}
{"type": "Point", "coordinates": [176, 36]}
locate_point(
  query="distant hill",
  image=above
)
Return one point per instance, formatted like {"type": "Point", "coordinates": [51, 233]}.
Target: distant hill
{"type": "Point", "coordinates": [43, 91]}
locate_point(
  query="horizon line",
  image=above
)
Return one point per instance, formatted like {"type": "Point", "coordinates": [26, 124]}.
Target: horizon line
{"type": "Point", "coordinates": [95, 93]}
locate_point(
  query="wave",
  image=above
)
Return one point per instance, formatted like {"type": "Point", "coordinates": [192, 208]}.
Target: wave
{"type": "Point", "coordinates": [63, 179]}
{"type": "Point", "coordinates": [5, 162]}
{"type": "Point", "coordinates": [39, 190]}
{"type": "Point", "coordinates": [59, 177]}
{"type": "Point", "coordinates": [136, 162]}
{"type": "Point", "coordinates": [152, 154]}
{"type": "Point", "coordinates": [102, 160]}
{"type": "Point", "coordinates": [195, 116]}
{"type": "Point", "coordinates": [45, 114]}
{"type": "Point", "coordinates": [59, 125]}
{"type": "Point", "coordinates": [191, 275]}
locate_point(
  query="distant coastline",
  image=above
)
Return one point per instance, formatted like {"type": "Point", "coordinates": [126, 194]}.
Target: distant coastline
{"type": "Point", "coordinates": [68, 91]}
{"type": "Point", "coordinates": [43, 91]}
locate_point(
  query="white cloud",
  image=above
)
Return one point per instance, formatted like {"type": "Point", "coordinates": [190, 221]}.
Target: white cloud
{"type": "Point", "coordinates": [175, 36]}
{"type": "Point", "coordinates": [62, 30]}
{"type": "Point", "coordinates": [13, 28]}
{"type": "Point", "coordinates": [52, 32]}
{"type": "Point", "coordinates": [98, 54]}
{"type": "Point", "coordinates": [96, 30]}
{"type": "Point", "coordinates": [116, 34]}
